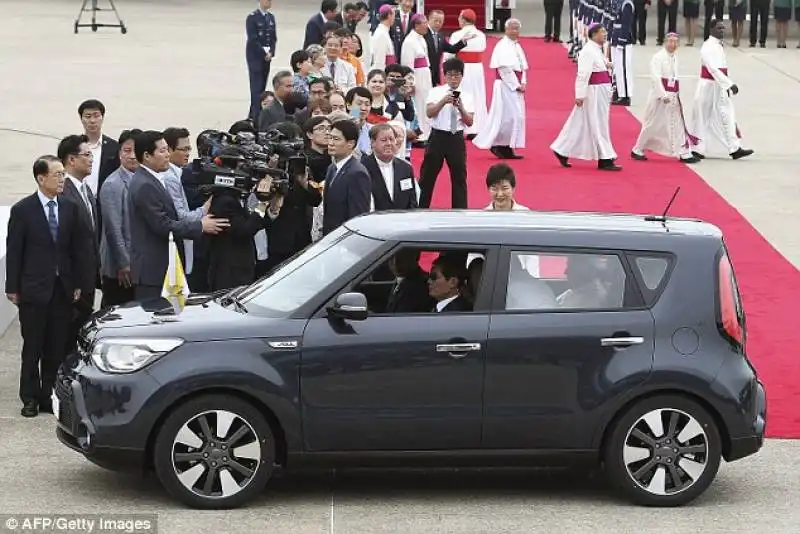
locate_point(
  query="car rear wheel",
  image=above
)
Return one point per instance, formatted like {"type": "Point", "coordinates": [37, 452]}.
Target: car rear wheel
{"type": "Point", "coordinates": [663, 451]}
{"type": "Point", "coordinates": [214, 452]}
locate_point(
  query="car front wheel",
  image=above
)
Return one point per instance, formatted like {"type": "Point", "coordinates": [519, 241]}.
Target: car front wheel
{"type": "Point", "coordinates": [663, 451]}
{"type": "Point", "coordinates": [214, 452]}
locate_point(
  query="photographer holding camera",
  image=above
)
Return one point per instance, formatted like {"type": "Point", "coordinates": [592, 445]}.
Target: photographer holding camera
{"type": "Point", "coordinates": [232, 254]}
{"type": "Point", "coordinates": [290, 232]}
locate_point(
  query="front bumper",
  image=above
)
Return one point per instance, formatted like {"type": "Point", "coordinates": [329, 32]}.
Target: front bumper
{"type": "Point", "coordinates": [100, 415]}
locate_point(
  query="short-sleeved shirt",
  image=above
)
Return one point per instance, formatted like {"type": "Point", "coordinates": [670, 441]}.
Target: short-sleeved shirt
{"type": "Point", "coordinates": [442, 120]}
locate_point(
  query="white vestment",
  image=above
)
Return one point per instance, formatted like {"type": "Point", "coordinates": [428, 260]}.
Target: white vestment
{"type": "Point", "coordinates": [664, 128]}
{"type": "Point", "coordinates": [586, 133]}
{"type": "Point", "coordinates": [414, 54]}
{"type": "Point", "coordinates": [505, 124]}
{"type": "Point", "coordinates": [382, 49]}
{"type": "Point", "coordinates": [713, 117]}
{"type": "Point", "coordinates": [474, 81]}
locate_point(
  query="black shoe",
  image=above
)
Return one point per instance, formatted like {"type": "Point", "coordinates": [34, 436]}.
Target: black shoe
{"type": "Point", "coordinates": [642, 42]}
{"type": "Point", "coordinates": [556, 40]}
{"type": "Point", "coordinates": [763, 45]}
{"type": "Point", "coordinates": [546, 38]}
{"type": "Point", "coordinates": [31, 409]}
{"type": "Point", "coordinates": [46, 407]}
{"type": "Point", "coordinates": [622, 102]}
{"type": "Point", "coordinates": [741, 153]}
{"type": "Point", "coordinates": [470, 137]}
{"type": "Point", "coordinates": [608, 165]}
{"type": "Point", "coordinates": [563, 160]}
{"type": "Point", "coordinates": [510, 154]}
{"type": "Point", "coordinates": [698, 155]}
{"type": "Point", "coordinates": [752, 45]}
{"type": "Point", "coordinates": [693, 159]}
{"type": "Point", "coordinates": [659, 43]}
{"type": "Point", "coordinates": [638, 157]}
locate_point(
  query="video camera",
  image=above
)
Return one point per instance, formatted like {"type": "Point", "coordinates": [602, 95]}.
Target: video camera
{"type": "Point", "coordinates": [241, 161]}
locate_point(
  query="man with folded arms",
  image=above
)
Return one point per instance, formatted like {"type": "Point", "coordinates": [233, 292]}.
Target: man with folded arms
{"type": "Point", "coordinates": [663, 126]}
{"type": "Point", "coordinates": [415, 56]}
{"type": "Point", "coordinates": [504, 129]}
{"type": "Point", "coordinates": [586, 133]}
{"type": "Point", "coordinates": [713, 116]}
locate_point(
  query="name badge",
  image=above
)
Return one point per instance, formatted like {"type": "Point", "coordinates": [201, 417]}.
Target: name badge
{"type": "Point", "coordinates": [401, 105]}
{"type": "Point", "coordinates": [406, 184]}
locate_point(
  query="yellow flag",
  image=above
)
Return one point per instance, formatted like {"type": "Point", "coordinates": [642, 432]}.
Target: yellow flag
{"type": "Point", "coordinates": [176, 288]}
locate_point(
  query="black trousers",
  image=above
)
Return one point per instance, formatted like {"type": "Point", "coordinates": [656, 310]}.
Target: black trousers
{"type": "Point", "coordinates": [114, 294]}
{"type": "Point", "coordinates": [665, 11]}
{"type": "Point", "coordinates": [44, 330]}
{"type": "Point", "coordinates": [81, 310]}
{"type": "Point", "coordinates": [450, 147]}
{"type": "Point", "coordinates": [143, 292]}
{"type": "Point", "coordinates": [258, 83]}
{"type": "Point", "coordinates": [639, 24]}
{"type": "Point", "coordinates": [198, 279]}
{"type": "Point", "coordinates": [713, 10]}
{"type": "Point", "coordinates": [552, 18]}
{"type": "Point", "coordinates": [759, 13]}
{"type": "Point", "coordinates": [501, 15]}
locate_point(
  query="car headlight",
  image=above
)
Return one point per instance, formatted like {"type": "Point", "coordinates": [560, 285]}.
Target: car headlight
{"type": "Point", "coordinates": [126, 355]}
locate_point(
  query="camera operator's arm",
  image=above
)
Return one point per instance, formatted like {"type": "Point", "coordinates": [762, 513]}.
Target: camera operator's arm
{"type": "Point", "coordinates": [191, 187]}
{"type": "Point", "coordinates": [309, 195]}
{"type": "Point", "coordinates": [243, 223]}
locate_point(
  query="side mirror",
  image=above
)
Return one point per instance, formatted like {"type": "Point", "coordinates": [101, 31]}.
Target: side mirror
{"type": "Point", "coordinates": [352, 306]}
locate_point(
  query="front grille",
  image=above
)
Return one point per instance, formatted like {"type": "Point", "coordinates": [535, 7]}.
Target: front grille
{"type": "Point", "coordinates": [63, 392]}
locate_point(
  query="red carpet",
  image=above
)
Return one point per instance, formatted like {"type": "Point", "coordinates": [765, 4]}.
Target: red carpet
{"type": "Point", "coordinates": [770, 285]}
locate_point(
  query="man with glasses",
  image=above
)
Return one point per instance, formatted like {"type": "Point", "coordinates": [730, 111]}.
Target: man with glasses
{"type": "Point", "coordinates": [76, 156]}
{"type": "Point", "coordinates": [318, 89]}
{"type": "Point", "coordinates": [450, 112]}
{"type": "Point", "coordinates": [45, 272]}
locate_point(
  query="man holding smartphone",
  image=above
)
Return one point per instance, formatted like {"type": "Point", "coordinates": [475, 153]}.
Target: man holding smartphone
{"type": "Point", "coordinates": [450, 112]}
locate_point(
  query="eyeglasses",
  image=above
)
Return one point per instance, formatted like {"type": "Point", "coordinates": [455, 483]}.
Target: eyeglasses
{"type": "Point", "coordinates": [320, 129]}
{"type": "Point", "coordinates": [87, 154]}
{"type": "Point", "coordinates": [184, 148]}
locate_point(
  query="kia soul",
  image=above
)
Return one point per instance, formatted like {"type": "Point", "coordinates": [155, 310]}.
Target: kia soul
{"type": "Point", "coordinates": [435, 338]}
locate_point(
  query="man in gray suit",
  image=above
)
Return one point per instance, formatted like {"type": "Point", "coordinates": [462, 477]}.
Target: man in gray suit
{"type": "Point", "coordinates": [276, 112]}
{"type": "Point", "coordinates": [153, 217]}
{"type": "Point", "coordinates": [115, 238]}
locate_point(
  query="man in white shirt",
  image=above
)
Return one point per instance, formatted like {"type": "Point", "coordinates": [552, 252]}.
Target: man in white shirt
{"type": "Point", "coordinates": [341, 72]}
{"type": "Point", "coordinates": [105, 151]}
{"type": "Point", "coordinates": [450, 112]}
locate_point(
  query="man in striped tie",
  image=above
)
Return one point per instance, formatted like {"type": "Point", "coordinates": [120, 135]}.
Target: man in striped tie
{"type": "Point", "coordinates": [45, 269]}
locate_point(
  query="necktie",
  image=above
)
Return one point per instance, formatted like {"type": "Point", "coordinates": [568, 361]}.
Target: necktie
{"type": "Point", "coordinates": [436, 42]}
{"type": "Point", "coordinates": [333, 71]}
{"type": "Point", "coordinates": [404, 23]}
{"type": "Point", "coordinates": [453, 118]}
{"type": "Point", "coordinates": [52, 222]}
{"type": "Point", "coordinates": [85, 195]}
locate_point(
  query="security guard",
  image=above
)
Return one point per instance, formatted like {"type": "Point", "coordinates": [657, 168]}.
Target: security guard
{"type": "Point", "coordinates": [621, 49]}
{"type": "Point", "coordinates": [262, 37]}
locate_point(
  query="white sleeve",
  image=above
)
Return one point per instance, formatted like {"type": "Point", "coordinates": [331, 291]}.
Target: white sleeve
{"type": "Point", "coordinates": [585, 65]}
{"type": "Point", "coordinates": [509, 78]}
{"type": "Point", "coordinates": [655, 75]}
{"type": "Point", "coordinates": [706, 59]}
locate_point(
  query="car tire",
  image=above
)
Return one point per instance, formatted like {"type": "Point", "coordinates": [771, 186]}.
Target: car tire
{"type": "Point", "coordinates": [241, 463]}
{"type": "Point", "coordinates": [670, 469]}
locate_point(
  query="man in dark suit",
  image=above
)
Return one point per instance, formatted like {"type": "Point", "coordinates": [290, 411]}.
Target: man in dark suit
{"type": "Point", "coordinates": [437, 45]}
{"type": "Point", "coordinates": [77, 159]}
{"type": "Point", "coordinates": [402, 24]}
{"type": "Point", "coordinates": [392, 178]}
{"type": "Point", "coordinates": [153, 217]}
{"type": "Point", "coordinates": [348, 187]}
{"type": "Point", "coordinates": [315, 25]}
{"type": "Point", "coordinates": [46, 247]}
{"type": "Point", "coordinates": [447, 279]}
{"type": "Point", "coordinates": [105, 150]}
{"type": "Point", "coordinates": [262, 39]}
{"type": "Point", "coordinates": [276, 112]}
{"type": "Point", "coordinates": [410, 292]}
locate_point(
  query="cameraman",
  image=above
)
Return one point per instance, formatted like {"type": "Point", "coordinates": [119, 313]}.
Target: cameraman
{"type": "Point", "coordinates": [232, 254]}
{"type": "Point", "coordinates": [290, 232]}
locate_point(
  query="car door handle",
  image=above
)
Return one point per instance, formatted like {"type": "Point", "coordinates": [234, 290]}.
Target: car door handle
{"type": "Point", "coordinates": [621, 341]}
{"type": "Point", "coordinates": [458, 350]}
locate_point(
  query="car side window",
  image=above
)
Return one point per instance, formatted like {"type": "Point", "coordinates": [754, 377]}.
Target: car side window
{"type": "Point", "coordinates": [546, 281]}
{"type": "Point", "coordinates": [424, 280]}
{"type": "Point", "coordinates": [652, 270]}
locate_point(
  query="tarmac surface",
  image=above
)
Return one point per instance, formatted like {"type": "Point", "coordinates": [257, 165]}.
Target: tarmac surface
{"type": "Point", "coordinates": [182, 63]}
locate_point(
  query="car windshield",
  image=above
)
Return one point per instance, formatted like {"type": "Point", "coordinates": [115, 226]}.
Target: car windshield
{"type": "Point", "coordinates": [304, 276]}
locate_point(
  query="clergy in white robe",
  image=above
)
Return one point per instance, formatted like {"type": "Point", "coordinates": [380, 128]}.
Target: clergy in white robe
{"type": "Point", "coordinates": [474, 81]}
{"type": "Point", "coordinates": [586, 134]}
{"type": "Point", "coordinates": [713, 115]}
{"type": "Point", "coordinates": [381, 44]}
{"type": "Point", "coordinates": [414, 54]}
{"type": "Point", "coordinates": [504, 129]}
{"type": "Point", "coordinates": [664, 129]}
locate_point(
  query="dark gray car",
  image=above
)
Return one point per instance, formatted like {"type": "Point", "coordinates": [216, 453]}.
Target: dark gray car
{"type": "Point", "coordinates": [611, 339]}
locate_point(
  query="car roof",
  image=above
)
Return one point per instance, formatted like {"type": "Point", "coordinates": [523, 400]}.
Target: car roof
{"type": "Point", "coordinates": [520, 226]}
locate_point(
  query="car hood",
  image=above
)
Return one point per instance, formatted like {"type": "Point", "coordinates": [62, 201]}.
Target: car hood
{"type": "Point", "coordinates": [201, 319]}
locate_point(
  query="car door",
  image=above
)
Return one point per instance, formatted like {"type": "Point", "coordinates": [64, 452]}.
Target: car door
{"type": "Point", "coordinates": [553, 365]}
{"type": "Point", "coordinates": [395, 382]}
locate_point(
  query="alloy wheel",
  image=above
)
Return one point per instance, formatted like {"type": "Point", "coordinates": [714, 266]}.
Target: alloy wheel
{"type": "Point", "coordinates": [216, 454]}
{"type": "Point", "coordinates": [666, 451]}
